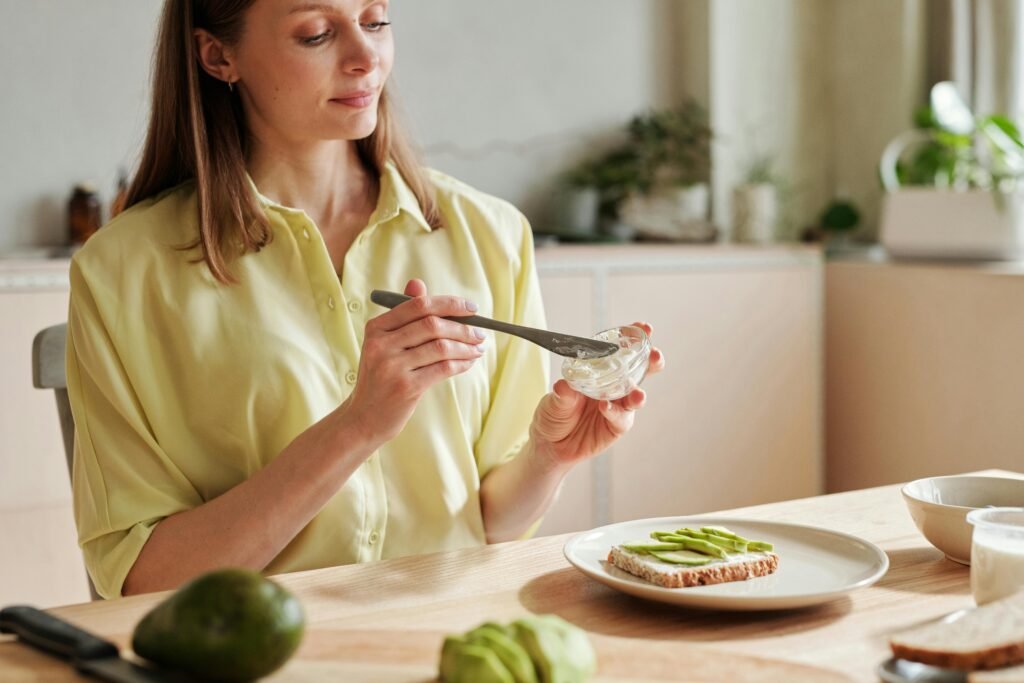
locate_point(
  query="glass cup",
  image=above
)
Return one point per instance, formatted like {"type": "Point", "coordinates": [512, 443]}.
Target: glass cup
{"type": "Point", "coordinates": [614, 376]}
{"type": "Point", "coordinates": [997, 553]}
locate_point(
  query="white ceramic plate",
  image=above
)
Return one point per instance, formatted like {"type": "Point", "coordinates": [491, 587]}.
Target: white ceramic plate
{"type": "Point", "coordinates": [815, 565]}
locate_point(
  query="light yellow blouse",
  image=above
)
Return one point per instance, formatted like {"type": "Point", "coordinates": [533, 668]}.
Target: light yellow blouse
{"type": "Point", "coordinates": [182, 387]}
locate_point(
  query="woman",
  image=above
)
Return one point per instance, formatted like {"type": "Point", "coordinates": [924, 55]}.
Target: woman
{"type": "Point", "coordinates": [238, 400]}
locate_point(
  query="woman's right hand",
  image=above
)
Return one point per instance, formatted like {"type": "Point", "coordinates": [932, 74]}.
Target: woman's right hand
{"type": "Point", "coordinates": [405, 352]}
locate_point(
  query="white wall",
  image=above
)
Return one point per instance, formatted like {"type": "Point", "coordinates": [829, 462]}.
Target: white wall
{"type": "Point", "coordinates": [770, 65]}
{"type": "Point", "coordinates": [73, 107]}
{"type": "Point", "coordinates": [501, 94]}
{"type": "Point", "coordinates": [508, 94]}
{"type": "Point", "coordinates": [878, 83]}
{"type": "Point", "coordinates": [819, 85]}
{"type": "Point", "coordinates": [505, 95]}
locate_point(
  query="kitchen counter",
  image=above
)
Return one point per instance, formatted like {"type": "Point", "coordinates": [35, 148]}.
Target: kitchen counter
{"type": "Point", "coordinates": [876, 256]}
{"type": "Point", "coordinates": [46, 268]}
{"type": "Point", "coordinates": [385, 621]}
{"type": "Point", "coordinates": [33, 274]}
{"type": "Point", "coordinates": [661, 257]}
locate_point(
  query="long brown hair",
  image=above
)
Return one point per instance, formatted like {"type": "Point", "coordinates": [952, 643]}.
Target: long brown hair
{"type": "Point", "coordinates": [197, 132]}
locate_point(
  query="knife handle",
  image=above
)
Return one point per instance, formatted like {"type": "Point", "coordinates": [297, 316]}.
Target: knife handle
{"type": "Point", "coordinates": [53, 635]}
{"type": "Point", "coordinates": [392, 299]}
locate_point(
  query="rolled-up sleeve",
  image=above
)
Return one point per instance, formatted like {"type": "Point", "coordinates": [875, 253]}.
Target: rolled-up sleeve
{"type": "Point", "coordinates": [123, 483]}
{"type": "Point", "coordinates": [521, 375]}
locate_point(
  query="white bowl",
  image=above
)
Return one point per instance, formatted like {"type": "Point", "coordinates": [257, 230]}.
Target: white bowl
{"type": "Point", "coordinates": [939, 506]}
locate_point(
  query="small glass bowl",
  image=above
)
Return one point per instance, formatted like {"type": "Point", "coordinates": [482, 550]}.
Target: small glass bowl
{"type": "Point", "coordinates": [614, 376]}
{"type": "Point", "coordinates": [997, 553]}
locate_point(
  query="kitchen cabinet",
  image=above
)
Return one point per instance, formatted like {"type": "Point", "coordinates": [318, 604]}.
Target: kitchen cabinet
{"type": "Point", "coordinates": [42, 564]}
{"type": "Point", "coordinates": [924, 373]}
{"type": "Point", "coordinates": [735, 418]}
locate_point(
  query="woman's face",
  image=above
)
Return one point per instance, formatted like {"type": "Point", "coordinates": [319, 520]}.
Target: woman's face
{"type": "Point", "coordinates": [314, 70]}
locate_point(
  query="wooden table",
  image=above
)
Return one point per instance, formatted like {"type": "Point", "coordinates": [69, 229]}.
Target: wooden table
{"type": "Point", "coordinates": [385, 621]}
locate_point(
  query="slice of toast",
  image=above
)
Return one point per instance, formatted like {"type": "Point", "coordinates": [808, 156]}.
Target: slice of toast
{"type": "Point", "coordinates": [987, 637]}
{"type": "Point", "coordinates": [1014, 674]}
{"type": "Point", "coordinates": [738, 567]}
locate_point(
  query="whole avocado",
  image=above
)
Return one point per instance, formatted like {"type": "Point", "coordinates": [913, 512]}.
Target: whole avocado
{"type": "Point", "coordinates": [229, 626]}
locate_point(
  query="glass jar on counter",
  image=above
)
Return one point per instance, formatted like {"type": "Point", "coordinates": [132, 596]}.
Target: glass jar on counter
{"type": "Point", "coordinates": [83, 213]}
{"type": "Point", "coordinates": [997, 553]}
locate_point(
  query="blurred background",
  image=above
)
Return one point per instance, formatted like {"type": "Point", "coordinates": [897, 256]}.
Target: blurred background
{"type": "Point", "coordinates": [828, 246]}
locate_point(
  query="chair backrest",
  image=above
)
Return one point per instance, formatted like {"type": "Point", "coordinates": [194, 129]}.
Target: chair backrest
{"type": "Point", "coordinates": [48, 373]}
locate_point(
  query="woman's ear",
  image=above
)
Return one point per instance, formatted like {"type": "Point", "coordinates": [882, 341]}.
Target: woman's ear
{"type": "Point", "coordinates": [215, 58]}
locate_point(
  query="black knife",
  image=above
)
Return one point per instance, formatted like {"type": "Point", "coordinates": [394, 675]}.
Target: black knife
{"type": "Point", "coordinates": [89, 654]}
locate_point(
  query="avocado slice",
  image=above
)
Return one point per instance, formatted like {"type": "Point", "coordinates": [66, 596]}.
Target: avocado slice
{"type": "Point", "coordinates": [466, 662]}
{"type": "Point", "coordinates": [687, 557]}
{"type": "Point", "coordinates": [229, 625]}
{"type": "Point", "coordinates": [561, 652]}
{"type": "Point", "coordinates": [511, 653]}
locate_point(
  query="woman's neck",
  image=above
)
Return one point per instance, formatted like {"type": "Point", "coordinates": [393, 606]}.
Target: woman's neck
{"type": "Point", "coordinates": [327, 180]}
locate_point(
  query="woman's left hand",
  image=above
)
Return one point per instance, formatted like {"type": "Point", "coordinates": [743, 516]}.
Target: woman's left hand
{"type": "Point", "coordinates": [569, 427]}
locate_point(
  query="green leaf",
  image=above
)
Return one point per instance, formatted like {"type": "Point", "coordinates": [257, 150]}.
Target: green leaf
{"type": "Point", "coordinates": [840, 215]}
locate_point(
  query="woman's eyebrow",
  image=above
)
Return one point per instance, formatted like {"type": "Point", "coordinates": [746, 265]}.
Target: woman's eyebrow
{"type": "Point", "coordinates": [313, 7]}
{"type": "Point", "coordinates": [322, 7]}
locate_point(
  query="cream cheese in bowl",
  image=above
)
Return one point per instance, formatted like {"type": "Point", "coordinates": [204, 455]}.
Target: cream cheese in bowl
{"type": "Point", "coordinates": [614, 376]}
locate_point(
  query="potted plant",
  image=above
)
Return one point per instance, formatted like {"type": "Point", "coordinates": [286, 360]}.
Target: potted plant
{"type": "Point", "coordinates": [579, 200]}
{"type": "Point", "coordinates": [755, 204]}
{"type": "Point", "coordinates": [655, 181]}
{"type": "Point", "coordinates": [672, 150]}
{"type": "Point", "coordinates": [591, 192]}
{"type": "Point", "coordinates": [838, 222]}
{"type": "Point", "coordinates": [959, 193]}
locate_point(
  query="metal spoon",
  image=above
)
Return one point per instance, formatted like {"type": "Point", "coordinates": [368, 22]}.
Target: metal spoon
{"type": "Point", "coordinates": [562, 344]}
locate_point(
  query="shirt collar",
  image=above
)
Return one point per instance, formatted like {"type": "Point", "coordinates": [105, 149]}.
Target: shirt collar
{"type": "Point", "coordinates": [395, 197]}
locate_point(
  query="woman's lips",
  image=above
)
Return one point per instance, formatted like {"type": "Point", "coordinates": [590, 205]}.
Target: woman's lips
{"type": "Point", "coordinates": [357, 100]}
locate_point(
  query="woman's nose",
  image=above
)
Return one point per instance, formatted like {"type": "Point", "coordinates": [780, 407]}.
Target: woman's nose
{"type": "Point", "coordinates": [359, 53]}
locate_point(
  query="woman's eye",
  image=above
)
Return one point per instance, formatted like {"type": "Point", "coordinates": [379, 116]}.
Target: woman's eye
{"type": "Point", "coordinates": [317, 39]}
{"type": "Point", "coordinates": [376, 25]}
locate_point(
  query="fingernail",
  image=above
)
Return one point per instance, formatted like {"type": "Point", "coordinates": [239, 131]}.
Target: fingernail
{"type": "Point", "coordinates": [478, 333]}
{"type": "Point", "coordinates": [470, 306]}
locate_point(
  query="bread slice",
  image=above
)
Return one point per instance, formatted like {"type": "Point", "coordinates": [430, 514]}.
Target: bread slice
{"type": "Point", "coordinates": [738, 567]}
{"type": "Point", "coordinates": [988, 637]}
{"type": "Point", "coordinates": [1014, 674]}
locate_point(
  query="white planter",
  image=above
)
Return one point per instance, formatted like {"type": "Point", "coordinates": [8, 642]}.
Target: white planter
{"type": "Point", "coordinates": [927, 222]}
{"type": "Point", "coordinates": [674, 213]}
{"type": "Point", "coordinates": [577, 211]}
{"type": "Point", "coordinates": [754, 210]}
{"type": "Point", "coordinates": [692, 202]}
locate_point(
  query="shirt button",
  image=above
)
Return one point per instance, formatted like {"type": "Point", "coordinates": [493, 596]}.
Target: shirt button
{"type": "Point", "coordinates": [330, 302]}
{"type": "Point", "coordinates": [351, 377]}
{"type": "Point", "coordinates": [305, 233]}
{"type": "Point", "coordinates": [353, 306]}
{"type": "Point", "coordinates": [374, 537]}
